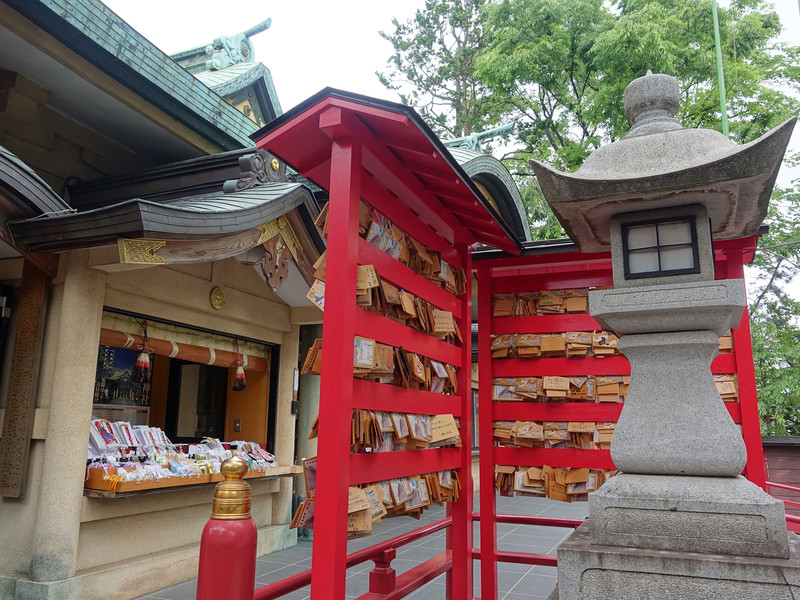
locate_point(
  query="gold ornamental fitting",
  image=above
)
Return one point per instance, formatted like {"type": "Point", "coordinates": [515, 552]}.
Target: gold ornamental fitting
{"type": "Point", "coordinates": [232, 496]}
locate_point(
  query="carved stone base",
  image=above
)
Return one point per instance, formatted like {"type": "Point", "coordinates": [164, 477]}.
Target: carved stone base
{"type": "Point", "coordinates": [726, 515]}
{"type": "Point", "coordinates": [591, 572]}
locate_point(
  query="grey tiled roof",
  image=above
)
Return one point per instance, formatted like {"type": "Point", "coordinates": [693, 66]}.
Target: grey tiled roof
{"type": "Point", "coordinates": [486, 169]}
{"type": "Point", "coordinates": [96, 33]}
{"type": "Point", "coordinates": [215, 214]}
{"type": "Point", "coordinates": [20, 182]}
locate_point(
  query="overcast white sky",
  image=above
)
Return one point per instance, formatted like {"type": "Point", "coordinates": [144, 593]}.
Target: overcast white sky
{"type": "Point", "coordinates": [313, 44]}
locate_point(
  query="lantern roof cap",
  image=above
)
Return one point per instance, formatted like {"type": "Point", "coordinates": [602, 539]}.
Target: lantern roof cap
{"type": "Point", "coordinates": [661, 164]}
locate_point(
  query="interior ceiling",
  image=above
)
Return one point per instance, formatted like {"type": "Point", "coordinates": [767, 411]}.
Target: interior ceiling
{"type": "Point", "coordinates": [81, 101]}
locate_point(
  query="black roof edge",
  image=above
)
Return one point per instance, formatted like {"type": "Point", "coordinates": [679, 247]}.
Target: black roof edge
{"type": "Point", "coordinates": [780, 440]}
{"type": "Point", "coordinates": [69, 35]}
{"type": "Point", "coordinates": [97, 192]}
{"type": "Point", "coordinates": [400, 109]}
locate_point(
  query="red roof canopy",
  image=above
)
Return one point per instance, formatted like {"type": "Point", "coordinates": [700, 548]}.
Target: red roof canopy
{"type": "Point", "coordinates": [400, 154]}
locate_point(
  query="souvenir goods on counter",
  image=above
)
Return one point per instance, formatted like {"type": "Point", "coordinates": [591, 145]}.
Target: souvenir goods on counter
{"type": "Point", "coordinates": [124, 458]}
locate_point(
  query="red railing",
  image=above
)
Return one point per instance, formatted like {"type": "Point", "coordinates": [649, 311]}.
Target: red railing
{"type": "Point", "coordinates": [526, 558]}
{"type": "Point", "coordinates": [384, 584]}
{"type": "Point", "coordinates": [792, 518]}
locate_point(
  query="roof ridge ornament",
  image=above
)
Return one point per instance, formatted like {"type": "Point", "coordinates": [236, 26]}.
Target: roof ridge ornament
{"type": "Point", "coordinates": [257, 168]}
{"type": "Point", "coordinates": [230, 50]}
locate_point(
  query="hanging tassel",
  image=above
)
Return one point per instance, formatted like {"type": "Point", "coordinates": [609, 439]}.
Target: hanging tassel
{"type": "Point", "coordinates": [239, 382]}
{"type": "Point", "coordinates": [141, 370]}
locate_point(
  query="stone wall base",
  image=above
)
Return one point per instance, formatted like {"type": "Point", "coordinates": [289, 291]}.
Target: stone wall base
{"type": "Point", "coordinates": [134, 578]}
{"type": "Point", "coordinates": [593, 572]}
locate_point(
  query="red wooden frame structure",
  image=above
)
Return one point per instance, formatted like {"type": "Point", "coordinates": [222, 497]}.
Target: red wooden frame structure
{"type": "Point", "coordinates": [545, 269]}
{"type": "Point", "coordinates": [361, 148]}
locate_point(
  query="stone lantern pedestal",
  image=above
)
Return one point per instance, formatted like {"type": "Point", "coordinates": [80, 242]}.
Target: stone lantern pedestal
{"type": "Point", "coordinates": [679, 520]}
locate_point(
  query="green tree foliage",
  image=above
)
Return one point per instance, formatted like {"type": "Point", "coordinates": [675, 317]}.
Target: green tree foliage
{"type": "Point", "coordinates": [775, 317]}
{"type": "Point", "coordinates": [433, 66]}
{"type": "Point", "coordinates": [559, 69]}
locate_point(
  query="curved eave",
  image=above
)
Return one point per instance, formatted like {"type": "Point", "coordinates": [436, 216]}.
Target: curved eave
{"type": "Point", "coordinates": [26, 188]}
{"type": "Point", "coordinates": [493, 175]}
{"type": "Point", "coordinates": [206, 216]}
{"type": "Point", "coordinates": [400, 151]}
{"type": "Point", "coordinates": [736, 189]}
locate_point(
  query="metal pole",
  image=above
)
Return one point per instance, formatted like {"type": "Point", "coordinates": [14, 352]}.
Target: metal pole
{"type": "Point", "coordinates": [720, 75]}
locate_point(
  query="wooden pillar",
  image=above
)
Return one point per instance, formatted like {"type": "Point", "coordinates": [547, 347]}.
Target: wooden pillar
{"type": "Point", "coordinates": [55, 539]}
{"type": "Point", "coordinates": [488, 497]}
{"type": "Point", "coordinates": [461, 510]}
{"type": "Point", "coordinates": [745, 372]}
{"type": "Point", "coordinates": [336, 384]}
{"type": "Point", "coordinates": [15, 442]}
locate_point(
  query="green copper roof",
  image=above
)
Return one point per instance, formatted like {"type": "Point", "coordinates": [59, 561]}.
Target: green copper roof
{"type": "Point", "coordinates": [97, 34]}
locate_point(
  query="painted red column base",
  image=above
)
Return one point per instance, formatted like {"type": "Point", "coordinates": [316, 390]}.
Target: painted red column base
{"type": "Point", "coordinates": [227, 560]}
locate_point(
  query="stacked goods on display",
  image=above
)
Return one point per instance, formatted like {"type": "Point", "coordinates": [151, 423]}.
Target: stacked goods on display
{"type": "Point", "coordinates": [384, 431]}
{"type": "Point", "coordinates": [126, 458]}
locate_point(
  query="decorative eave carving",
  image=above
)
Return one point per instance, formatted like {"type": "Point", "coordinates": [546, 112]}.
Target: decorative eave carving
{"type": "Point", "coordinates": [141, 252]}
{"type": "Point", "coordinates": [281, 226]}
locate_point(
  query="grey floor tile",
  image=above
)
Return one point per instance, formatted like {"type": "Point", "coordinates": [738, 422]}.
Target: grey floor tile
{"type": "Point", "coordinates": [182, 591]}
{"type": "Point", "coordinates": [515, 581]}
{"type": "Point", "coordinates": [534, 584]}
{"type": "Point", "coordinates": [278, 574]}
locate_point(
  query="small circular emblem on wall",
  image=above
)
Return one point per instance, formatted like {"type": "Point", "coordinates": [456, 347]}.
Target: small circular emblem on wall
{"type": "Point", "coordinates": [217, 298]}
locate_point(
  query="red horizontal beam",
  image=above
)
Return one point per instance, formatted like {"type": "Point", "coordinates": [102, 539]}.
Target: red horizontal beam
{"type": "Point", "coordinates": [295, 582]}
{"type": "Point", "coordinates": [792, 519]}
{"type": "Point", "coordinates": [370, 467]}
{"type": "Point", "coordinates": [576, 367]}
{"type": "Point", "coordinates": [533, 263]}
{"type": "Point", "coordinates": [406, 278]}
{"type": "Point", "coordinates": [397, 542]}
{"type": "Point", "coordinates": [556, 411]}
{"type": "Point", "coordinates": [524, 558]}
{"type": "Point", "coordinates": [783, 486]}
{"type": "Point", "coordinates": [369, 395]}
{"type": "Point", "coordinates": [538, 367]}
{"type": "Point", "coordinates": [537, 521]}
{"type": "Point", "coordinates": [552, 280]}
{"type": "Point", "coordinates": [554, 457]}
{"type": "Point", "coordinates": [386, 331]}
{"type": "Point", "coordinates": [574, 411]}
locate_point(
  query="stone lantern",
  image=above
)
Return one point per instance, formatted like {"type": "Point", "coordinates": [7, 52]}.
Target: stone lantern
{"type": "Point", "coordinates": [679, 518]}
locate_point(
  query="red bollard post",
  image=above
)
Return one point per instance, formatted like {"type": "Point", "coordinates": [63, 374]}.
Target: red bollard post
{"type": "Point", "coordinates": [382, 579]}
{"type": "Point", "coordinates": [228, 547]}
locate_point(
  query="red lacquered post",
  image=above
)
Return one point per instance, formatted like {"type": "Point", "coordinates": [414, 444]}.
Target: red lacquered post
{"type": "Point", "coordinates": [383, 579]}
{"type": "Point", "coordinates": [228, 546]}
